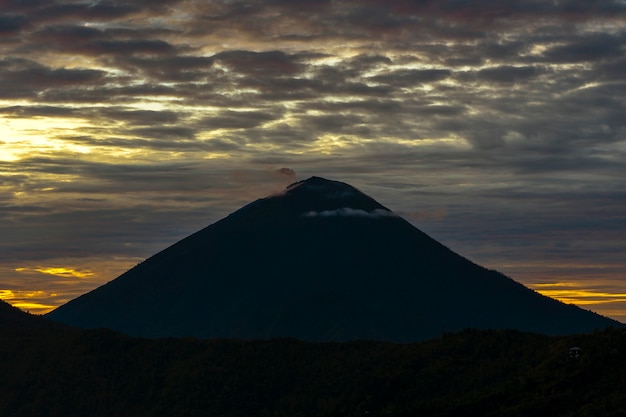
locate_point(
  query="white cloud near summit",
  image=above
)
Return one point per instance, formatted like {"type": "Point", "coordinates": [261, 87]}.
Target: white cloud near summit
{"type": "Point", "coordinates": [351, 212]}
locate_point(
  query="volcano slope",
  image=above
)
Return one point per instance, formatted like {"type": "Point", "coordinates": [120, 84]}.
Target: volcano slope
{"type": "Point", "coordinates": [319, 262]}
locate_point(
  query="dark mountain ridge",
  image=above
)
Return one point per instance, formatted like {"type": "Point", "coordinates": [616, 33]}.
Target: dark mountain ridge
{"type": "Point", "coordinates": [15, 322]}
{"type": "Point", "coordinates": [320, 261]}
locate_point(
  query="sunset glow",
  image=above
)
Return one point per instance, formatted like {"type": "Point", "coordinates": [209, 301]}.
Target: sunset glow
{"type": "Point", "coordinates": [124, 127]}
{"type": "Point", "coordinates": [28, 300]}
{"type": "Point", "coordinates": [61, 272]}
{"type": "Point", "coordinates": [573, 293]}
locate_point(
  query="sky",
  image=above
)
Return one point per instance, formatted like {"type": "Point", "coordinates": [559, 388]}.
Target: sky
{"type": "Point", "coordinates": [498, 128]}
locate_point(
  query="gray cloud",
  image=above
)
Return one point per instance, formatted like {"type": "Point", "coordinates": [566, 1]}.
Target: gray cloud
{"type": "Point", "coordinates": [137, 117]}
{"type": "Point", "coordinates": [404, 78]}
{"type": "Point", "coordinates": [172, 67]}
{"type": "Point", "coordinates": [12, 23]}
{"type": "Point", "coordinates": [288, 172]}
{"type": "Point", "coordinates": [37, 111]}
{"type": "Point", "coordinates": [25, 78]}
{"type": "Point", "coordinates": [268, 63]}
{"type": "Point", "coordinates": [589, 48]}
{"type": "Point", "coordinates": [237, 120]}
{"type": "Point", "coordinates": [507, 74]}
{"type": "Point", "coordinates": [164, 132]}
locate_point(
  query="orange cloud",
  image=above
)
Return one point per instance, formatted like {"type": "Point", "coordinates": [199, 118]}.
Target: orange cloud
{"type": "Point", "coordinates": [31, 301]}
{"type": "Point", "coordinates": [570, 293]}
{"type": "Point", "coordinates": [59, 272]}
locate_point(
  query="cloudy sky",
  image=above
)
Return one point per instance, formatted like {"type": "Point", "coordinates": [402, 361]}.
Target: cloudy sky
{"type": "Point", "coordinates": [496, 127]}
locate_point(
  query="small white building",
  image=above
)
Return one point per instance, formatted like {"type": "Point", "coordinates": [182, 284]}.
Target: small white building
{"type": "Point", "coordinates": [574, 352]}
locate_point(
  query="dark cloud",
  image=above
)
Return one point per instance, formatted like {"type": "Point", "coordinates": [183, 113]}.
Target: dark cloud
{"type": "Point", "coordinates": [270, 63]}
{"type": "Point", "coordinates": [22, 78]}
{"type": "Point", "coordinates": [365, 106]}
{"type": "Point", "coordinates": [66, 35]}
{"type": "Point", "coordinates": [366, 61]}
{"type": "Point", "coordinates": [30, 73]}
{"type": "Point", "coordinates": [440, 110]}
{"type": "Point", "coordinates": [129, 47]}
{"type": "Point", "coordinates": [12, 23]}
{"type": "Point", "coordinates": [404, 78]}
{"type": "Point", "coordinates": [98, 46]}
{"type": "Point", "coordinates": [93, 11]}
{"type": "Point", "coordinates": [171, 67]}
{"type": "Point", "coordinates": [156, 139]}
{"type": "Point", "coordinates": [503, 50]}
{"type": "Point", "coordinates": [164, 132]}
{"type": "Point", "coordinates": [590, 48]}
{"type": "Point", "coordinates": [613, 70]}
{"type": "Point", "coordinates": [137, 117]}
{"type": "Point", "coordinates": [508, 74]}
{"type": "Point", "coordinates": [37, 111]}
{"type": "Point", "coordinates": [50, 11]}
{"type": "Point", "coordinates": [337, 122]}
{"type": "Point", "coordinates": [104, 93]}
{"type": "Point", "coordinates": [237, 120]}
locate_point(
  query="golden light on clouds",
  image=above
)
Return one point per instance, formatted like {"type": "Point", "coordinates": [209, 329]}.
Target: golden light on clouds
{"type": "Point", "coordinates": [9, 155]}
{"type": "Point", "coordinates": [24, 137]}
{"type": "Point", "coordinates": [573, 293]}
{"type": "Point", "coordinates": [41, 288]}
{"type": "Point", "coordinates": [59, 271]}
{"type": "Point", "coordinates": [31, 301]}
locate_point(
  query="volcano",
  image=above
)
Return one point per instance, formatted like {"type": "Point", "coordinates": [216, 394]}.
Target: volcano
{"type": "Point", "coordinates": [320, 262]}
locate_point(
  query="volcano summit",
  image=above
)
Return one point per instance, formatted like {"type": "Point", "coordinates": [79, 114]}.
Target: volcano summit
{"type": "Point", "coordinates": [320, 261]}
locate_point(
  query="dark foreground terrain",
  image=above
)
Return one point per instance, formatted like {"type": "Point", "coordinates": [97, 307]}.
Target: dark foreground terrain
{"type": "Point", "coordinates": [53, 371]}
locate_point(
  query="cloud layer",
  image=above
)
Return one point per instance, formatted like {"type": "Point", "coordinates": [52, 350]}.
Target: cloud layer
{"type": "Point", "coordinates": [125, 126]}
{"type": "Point", "coordinates": [350, 212]}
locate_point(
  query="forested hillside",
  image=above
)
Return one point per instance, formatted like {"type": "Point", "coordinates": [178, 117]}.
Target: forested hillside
{"type": "Point", "coordinates": [478, 373]}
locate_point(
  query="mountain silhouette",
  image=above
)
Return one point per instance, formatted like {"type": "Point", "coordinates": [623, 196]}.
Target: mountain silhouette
{"type": "Point", "coordinates": [15, 322]}
{"type": "Point", "coordinates": [320, 262]}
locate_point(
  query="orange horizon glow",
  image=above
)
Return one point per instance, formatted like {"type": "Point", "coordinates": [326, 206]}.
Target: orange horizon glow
{"type": "Point", "coordinates": [29, 301]}
{"type": "Point", "coordinates": [580, 296]}
{"type": "Point", "coordinates": [41, 302]}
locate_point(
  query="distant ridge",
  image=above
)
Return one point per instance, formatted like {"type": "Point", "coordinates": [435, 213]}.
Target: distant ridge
{"type": "Point", "coordinates": [321, 262]}
{"type": "Point", "coordinates": [15, 322]}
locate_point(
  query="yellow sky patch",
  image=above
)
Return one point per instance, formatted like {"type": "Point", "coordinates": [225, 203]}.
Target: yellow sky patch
{"type": "Point", "coordinates": [11, 294]}
{"type": "Point", "coordinates": [569, 293]}
{"type": "Point", "coordinates": [31, 301]}
{"type": "Point", "coordinates": [23, 136]}
{"type": "Point", "coordinates": [59, 271]}
{"type": "Point", "coordinates": [34, 308]}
